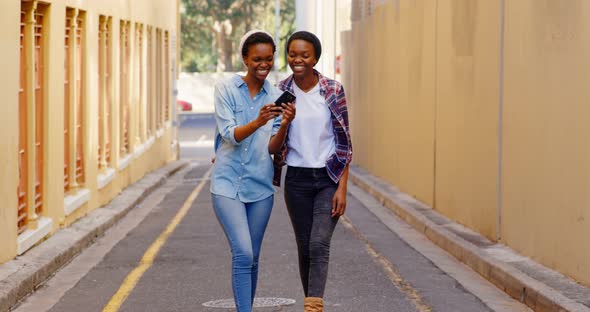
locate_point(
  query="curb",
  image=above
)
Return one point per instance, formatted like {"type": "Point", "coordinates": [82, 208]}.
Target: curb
{"type": "Point", "coordinates": [535, 294]}
{"type": "Point", "coordinates": [22, 275]}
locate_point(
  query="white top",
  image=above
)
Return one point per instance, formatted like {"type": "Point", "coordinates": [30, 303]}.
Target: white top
{"type": "Point", "coordinates": [311, 137]}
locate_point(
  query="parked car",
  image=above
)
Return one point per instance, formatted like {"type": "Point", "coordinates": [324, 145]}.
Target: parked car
{"type": "Point", "coordinates": [184, 105]}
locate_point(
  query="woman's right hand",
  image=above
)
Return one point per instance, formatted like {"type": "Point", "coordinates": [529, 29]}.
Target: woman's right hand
{"type": "Point", "coordinates": [267, 112]}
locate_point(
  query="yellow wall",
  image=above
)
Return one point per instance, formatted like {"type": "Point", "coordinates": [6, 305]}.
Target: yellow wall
{"type": "Point", "coordinates": [417, 90]}
{"type": "Point", "coordinates": [391, 94]}
{"type": "Point", "coordinates": [431, 105]}
{"type": "Point", "coordinates": [9, 36]}
{"type": "Point", "coordinates": [546, 159]}
{"type": "Point", "coordinates": [54, 114]}
{"type": "Point", "coordinates": [157, 13]}
{"type": "Point", "coordinates": [467, 71]}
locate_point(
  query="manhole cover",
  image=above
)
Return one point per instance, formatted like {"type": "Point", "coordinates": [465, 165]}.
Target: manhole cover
{"type": "Point", "coordinates": [258, 303]}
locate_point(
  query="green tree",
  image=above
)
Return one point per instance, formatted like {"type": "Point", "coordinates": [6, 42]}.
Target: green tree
{"type": "Point", "coordinates": [211, 30]}
{"type": "Point", "coordinates": [286, 29]}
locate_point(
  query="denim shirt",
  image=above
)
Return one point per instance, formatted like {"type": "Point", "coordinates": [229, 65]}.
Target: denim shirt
{"type": "Point", "coordinates": [242, 170]}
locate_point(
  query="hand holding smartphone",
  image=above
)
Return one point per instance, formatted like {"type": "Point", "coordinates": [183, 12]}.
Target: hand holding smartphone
{"type": "Point", "coordinates": [286, 97]}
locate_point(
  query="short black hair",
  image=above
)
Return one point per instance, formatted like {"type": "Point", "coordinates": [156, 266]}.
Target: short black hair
{"type": "Point", "coordinates": [309, 37]}
{"type": "Point", "coordinates": [256, 38]}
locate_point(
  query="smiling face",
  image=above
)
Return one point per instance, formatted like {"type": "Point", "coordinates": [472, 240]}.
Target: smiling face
{"type": "Point", "coordinates": [259, 60]}
{"type": "Point", "coordinates": [301, 58]}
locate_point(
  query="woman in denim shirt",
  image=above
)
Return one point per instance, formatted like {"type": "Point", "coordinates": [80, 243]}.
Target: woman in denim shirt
{"type": "Point", "coordinates": [249, 128]}
{"type": "Point", "coordinates": [317, 152]}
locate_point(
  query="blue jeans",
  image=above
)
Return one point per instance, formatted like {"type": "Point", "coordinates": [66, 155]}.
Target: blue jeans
{"type": "Point", "coordinates": [308, 195]}
{"type": "Point", "coordinates": [244, 225]}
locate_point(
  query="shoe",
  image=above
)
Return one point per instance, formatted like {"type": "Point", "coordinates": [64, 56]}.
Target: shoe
{"type": "Point", "coordinates": [314, 304]}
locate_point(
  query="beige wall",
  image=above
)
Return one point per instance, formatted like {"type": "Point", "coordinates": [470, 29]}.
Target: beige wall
{"type": "Point", "coordinates": [390, 88]}
{"type": "Point", "coordinates": [467, 71]}
{"type": "Point", "coordinates": [546, 159]}
{"type": "Point", "coordinates": [417, 90]}
{"type": "Point", "coordinates": [502, 149]}
{"type": "Point", "coordinates": [9, 36]}
{"type": "Point", "coordinates": [157, 13]}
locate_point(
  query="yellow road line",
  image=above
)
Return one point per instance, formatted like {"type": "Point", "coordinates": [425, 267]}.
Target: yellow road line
{"type": "Point", "coordinates": [389, 269]}
{"type": "Point", "coordinates": [148, 257]}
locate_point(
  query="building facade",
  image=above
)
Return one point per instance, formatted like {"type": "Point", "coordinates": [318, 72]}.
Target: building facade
{"type": "Point", "coordinates": [88, 108]}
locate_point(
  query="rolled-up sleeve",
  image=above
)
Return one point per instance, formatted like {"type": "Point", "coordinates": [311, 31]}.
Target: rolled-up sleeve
{"type": "Point", "coordinates": [344, 113]}
{"type": "Point", "coordinates": [275, 93]}
{"type": "Point", "coordinates": [276, 125]}
{"type": "Point", "coordinates": [224, 115]}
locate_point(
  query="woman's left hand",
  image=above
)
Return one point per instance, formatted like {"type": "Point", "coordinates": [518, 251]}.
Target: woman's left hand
{"type": "Point", "coordinates": [339, 202]}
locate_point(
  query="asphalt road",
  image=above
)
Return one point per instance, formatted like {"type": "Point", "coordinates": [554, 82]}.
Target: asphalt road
{"type": "Point", "coordinates": [378, 263]}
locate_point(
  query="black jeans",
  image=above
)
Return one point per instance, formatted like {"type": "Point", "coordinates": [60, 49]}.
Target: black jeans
{"type": "Point", "coordinates": [308, 195]}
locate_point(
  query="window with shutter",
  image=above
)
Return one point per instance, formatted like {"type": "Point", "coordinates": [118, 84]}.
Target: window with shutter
{"type": "Point", "coordinates": [79, 85]}
{"type": "Point", "coordinates": [31, 116]}
{"type": "Point", "coordinates": [39, 112]}
{"type": "Point", "coordinates": [67, 85]}
{"type": "Point", "coordinates": [104, 94]}
{"type": "Point", "coordinates": [150, 83]}
{"type": "Point", "coordinates": [124, 55]}
{"type": "Point", "coordinates": [74, 101]}
{"type": "Point", "coordinates": [22, 138]}
{"type": "Point", "coordinates": [167, 75]}
{"type": "Point", "coordinates": [159, 80]}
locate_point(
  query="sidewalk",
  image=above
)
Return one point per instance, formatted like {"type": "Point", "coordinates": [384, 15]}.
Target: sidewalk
{"type": "Point", "coordinates": [21, 276]}
{"type": "Point", "coordinates": [538, 287]}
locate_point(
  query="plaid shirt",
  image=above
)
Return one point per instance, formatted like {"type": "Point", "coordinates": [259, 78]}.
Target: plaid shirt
{"type": "Point", "coordinates": [333, 92]}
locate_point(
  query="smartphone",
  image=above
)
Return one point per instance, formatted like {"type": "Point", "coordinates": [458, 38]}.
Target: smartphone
{"type": "Point", "coordinates": [286, 97]}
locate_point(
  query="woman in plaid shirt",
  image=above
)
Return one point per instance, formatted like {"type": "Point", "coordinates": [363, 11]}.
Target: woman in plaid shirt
{"type": "Point", "coordinates": [317, 152]}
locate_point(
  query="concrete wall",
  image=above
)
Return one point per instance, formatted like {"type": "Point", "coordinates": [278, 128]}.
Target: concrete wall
{"type": "Point", "coordinates": [146, 155]}
{"type": "Point", "coordinates": [479, 109]}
